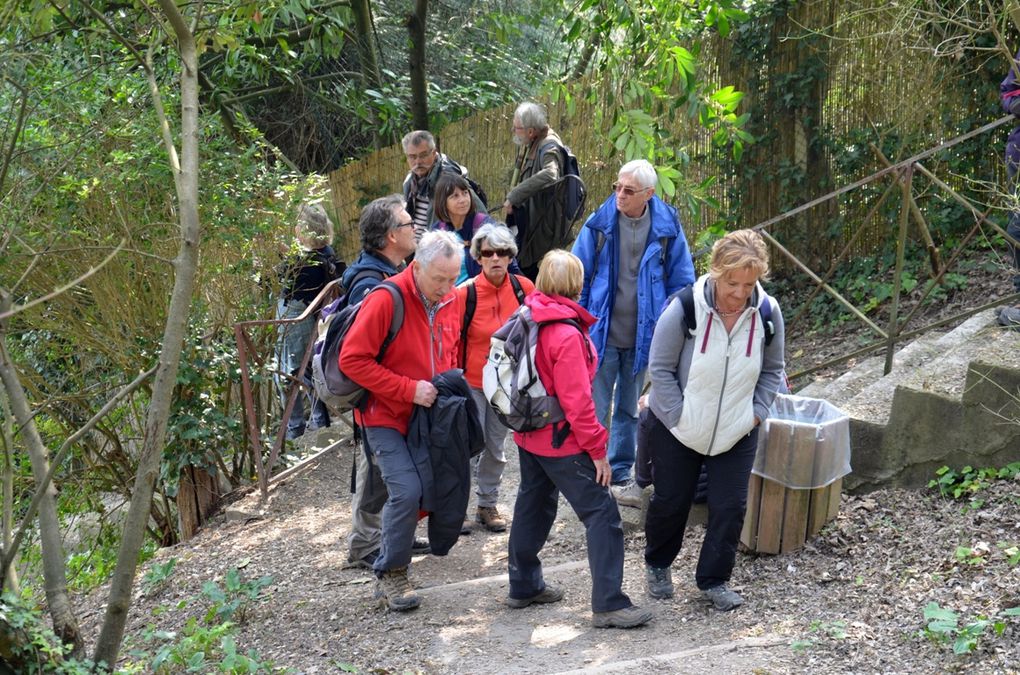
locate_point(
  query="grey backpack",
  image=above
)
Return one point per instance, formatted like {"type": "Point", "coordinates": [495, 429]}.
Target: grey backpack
{"type": "Point", "coordinates": [332, 386]}
{"type": "Point", "coordinates": [510, 376]}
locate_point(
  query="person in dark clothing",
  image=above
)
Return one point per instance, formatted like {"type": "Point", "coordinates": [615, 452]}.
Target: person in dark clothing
{"type": "Point", "coordinates": [427, 165]}
{"type": "Point", "coordinates": [387, 238]}
{"type": "Point", "coordinates": [1009, 95]}
{"type": "Point", "coordinates": [302, 278]}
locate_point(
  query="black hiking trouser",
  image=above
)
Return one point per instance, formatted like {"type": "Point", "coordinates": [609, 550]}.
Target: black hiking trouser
{"type": "Point", "coordinates": [675, 471]}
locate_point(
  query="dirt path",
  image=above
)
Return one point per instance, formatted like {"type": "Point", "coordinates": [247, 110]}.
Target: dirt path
{"type": "Point", "coordinates": [849, 602]}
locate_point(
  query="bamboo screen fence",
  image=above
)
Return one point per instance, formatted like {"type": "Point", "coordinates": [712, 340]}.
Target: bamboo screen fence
{"type": "Point", "coordinates": [830, 74]}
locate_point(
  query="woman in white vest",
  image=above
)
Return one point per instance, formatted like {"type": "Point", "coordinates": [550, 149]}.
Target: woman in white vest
{"type": "Point", "coordinates": [713, 381]}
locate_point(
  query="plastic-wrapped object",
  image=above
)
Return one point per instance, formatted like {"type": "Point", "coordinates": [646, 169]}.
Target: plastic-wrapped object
{"type": "Point", "coordinates": [804, 444]}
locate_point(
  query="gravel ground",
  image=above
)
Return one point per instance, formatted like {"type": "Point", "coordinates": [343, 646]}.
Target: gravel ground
{"type": "Point", "coordinates": [851, 601]}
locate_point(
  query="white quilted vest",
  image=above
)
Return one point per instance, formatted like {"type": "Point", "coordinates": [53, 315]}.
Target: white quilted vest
{"type": "Point", "coordinates": [719, 397]}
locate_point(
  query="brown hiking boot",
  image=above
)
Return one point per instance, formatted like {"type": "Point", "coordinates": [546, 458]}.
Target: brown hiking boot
{"type": "Point", "coordinates": [489, 517]}
{"type": "Point", "coordinates": [393, 590]}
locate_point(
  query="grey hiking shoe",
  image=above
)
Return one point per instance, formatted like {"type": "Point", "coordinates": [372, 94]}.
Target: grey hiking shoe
{"type": "Point", "coordinates": [660, 582]}
{"type": "Point", "coordinates": [365, 562]}
{"type": "Point", "coordinates": [628, 494]}
{"type": "Point", "coordinates": [628, 617]}
{"type": "Point", "coordinates": [1010, 317]}
{"type": "Point", "coordinates": [393, 590]}
{"type": "Point", "coordinates": [547, 595]}
{"type": "Point", "coordinates": [722, 598]}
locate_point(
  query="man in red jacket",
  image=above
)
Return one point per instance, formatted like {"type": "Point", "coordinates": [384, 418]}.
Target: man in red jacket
{"type": "Point", "coordinates": [426, 345]}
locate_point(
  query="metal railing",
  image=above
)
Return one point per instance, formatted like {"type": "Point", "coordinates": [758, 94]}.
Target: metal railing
{"type": "Point", "coordinates": [903, 173]}
{"type": "Point", "coordinates": [246, 352]}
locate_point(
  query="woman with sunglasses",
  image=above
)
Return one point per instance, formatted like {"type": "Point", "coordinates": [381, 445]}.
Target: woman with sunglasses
{"type": "Point", "coordinates": [489, 299]}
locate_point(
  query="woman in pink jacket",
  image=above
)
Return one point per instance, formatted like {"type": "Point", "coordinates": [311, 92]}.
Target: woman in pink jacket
{"type": "Point", "coordinates": [567, 457]}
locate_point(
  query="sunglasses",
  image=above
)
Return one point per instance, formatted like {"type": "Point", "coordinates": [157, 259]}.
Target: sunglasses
{"type": "Point", "coordinates": [629, 191]}
{"type": "Point", "coordinates": [500, 252]}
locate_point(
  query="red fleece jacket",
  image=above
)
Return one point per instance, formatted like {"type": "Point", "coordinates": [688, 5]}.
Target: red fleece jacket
{"type": "Point", "coordinates": [494, 306]}
{"type": "Point", "coordinates": [419, 351]}
{"type": "Point", "coordinates": [566, 364]}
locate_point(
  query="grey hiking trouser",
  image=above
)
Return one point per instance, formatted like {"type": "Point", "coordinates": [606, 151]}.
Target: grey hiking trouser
{"type": "Point", "coordinates": [404, 491]}
{"type": "Point", "coordinates": [487, 466]}
{"type": "Point", "coordinates": [366, 508]}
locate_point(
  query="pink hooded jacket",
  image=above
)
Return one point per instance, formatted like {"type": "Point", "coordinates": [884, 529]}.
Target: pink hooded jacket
{"type": "Point", "coordinates": [566, 365]}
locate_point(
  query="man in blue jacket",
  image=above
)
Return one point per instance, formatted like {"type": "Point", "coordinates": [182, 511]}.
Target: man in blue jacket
{"type": "Point", "coordinates": [635, 256]}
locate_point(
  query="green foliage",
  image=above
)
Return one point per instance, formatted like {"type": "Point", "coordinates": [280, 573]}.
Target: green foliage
{"type": "Point", "coordinates": [968, 480]}
{"type": "Point", "coordinates": [203, 649]}
{"type": "Point", "coordinates": [33, 642]}
{"type": "Point", "coordinates": [157, 576]}
{"type": "Point", "coordinates": [819, 631]}
{"type": "Point", "coordinates": [944, 627]}
{"type": "Point", "coordinates": [235, 598]}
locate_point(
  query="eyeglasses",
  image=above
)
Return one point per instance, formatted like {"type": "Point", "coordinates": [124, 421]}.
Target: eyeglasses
{"type": "Point", "coordinates": [409, 223]}
{"type": "Point", "coordinates": [500, 253]}
{"type": "Point", "coordinates": [424, 154]}
{"type": "Point", "coordinates": [627, 190]}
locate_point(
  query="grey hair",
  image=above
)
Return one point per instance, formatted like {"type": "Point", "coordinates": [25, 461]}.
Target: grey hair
{"type": "Point", "coordinates": [316, 227]}
{"type": "Point", "coordinates": [377, 219]}
{"type": "Point", "coordinates": [438, 244]}
{"type": "Point", "coordinates": [417, 138]}
{"type": "Point", "coordinates": [497, 235]}
{"type": "Point", "coordinates": [532, 116]}
{"type": "Point", "coordinates": [643, 172]}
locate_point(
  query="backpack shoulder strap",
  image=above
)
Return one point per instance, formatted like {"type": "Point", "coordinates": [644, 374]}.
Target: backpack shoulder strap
{"type": "Point", "coordinates": [364, 274]}
{"type": "Point", "coordinates": [398, 316]}
{"type": "Point", "coordinates": [766, 319]}
{"type": "Point", "coordinates": [469, 312]}
{"type": "Point", "coordinates": [686, 295]}
{"type": "Point", "coordinates": [600, 243]}
{"type": "Point", "coordinates": [518, 290]}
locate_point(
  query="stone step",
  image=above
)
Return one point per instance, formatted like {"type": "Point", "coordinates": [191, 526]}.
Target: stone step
{"type": "Point", "coordinates": [945, 356]}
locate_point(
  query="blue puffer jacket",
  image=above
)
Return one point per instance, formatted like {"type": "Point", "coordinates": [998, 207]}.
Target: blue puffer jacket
{"type": "Point", "coordinates": [655, 285]}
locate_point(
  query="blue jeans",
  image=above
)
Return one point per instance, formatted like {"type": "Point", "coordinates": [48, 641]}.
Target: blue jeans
{"type": "Point", "coordinates": [291, 343]}
{"type": "Point", "coordinates": [542, 481]}
{"type": "Point", "coordinates": [616, 372]}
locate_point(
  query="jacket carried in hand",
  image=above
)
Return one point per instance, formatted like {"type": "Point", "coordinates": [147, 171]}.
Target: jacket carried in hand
{"type": "Point", "coordinates": [566, 362]}
{"type": "Point", "coordinates": [442, 439]}
{"type": "Point", "coordinates": [654, 284]}
{"type": "Point", "coordinates": [421, 349]}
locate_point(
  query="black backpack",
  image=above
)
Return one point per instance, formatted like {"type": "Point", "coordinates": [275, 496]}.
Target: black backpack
{"type": "Point", "coordinates": [570, 189]}
{"type": "Point", "coordinates": [686, 296]}
{"type": "Point", "coordinates": [471, 302]}
{"type": "Point", "coordinates": [332, 386]}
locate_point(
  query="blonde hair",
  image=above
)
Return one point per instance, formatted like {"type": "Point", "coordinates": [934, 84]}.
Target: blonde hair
{"type": "Point", "coordinates": [560, 273]}
{"type": "Point", "coordinates": [738, 250]}
{"type": "Point", "coordinates": [314, 228]}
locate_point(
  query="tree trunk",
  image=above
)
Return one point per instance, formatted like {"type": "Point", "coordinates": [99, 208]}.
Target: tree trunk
{"type": "Point", "coordinates": [185, 267]}
{"type": "Point", "coordinates": [368, 54]}
{"type": "Point", "coordinates": [197, 493]}
{"type": "Point", "coordinates": [64, 623]}
{"type": "Point", "coordinates": [416, 62]}
{"type": "Point", "coordinates": [9, 581]}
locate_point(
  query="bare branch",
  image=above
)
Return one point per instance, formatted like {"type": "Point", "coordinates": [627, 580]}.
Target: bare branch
{"type": "Point", "coordinates": [49, 296]}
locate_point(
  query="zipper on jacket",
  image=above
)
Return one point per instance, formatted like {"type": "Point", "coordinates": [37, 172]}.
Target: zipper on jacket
{"type": "Point", "coordinates": [722, 390]}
